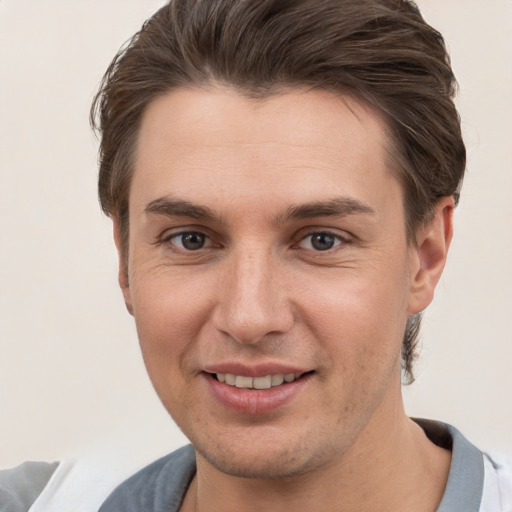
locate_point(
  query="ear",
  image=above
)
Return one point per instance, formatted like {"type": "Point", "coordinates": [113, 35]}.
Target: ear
{"type": "Point", "coordinates": [123, 266]}
{"type": "Point", "coordinates": [428, 257]}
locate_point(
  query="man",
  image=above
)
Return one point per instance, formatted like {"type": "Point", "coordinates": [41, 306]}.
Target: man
{"type": "Point", "coordinates": [282, 178]}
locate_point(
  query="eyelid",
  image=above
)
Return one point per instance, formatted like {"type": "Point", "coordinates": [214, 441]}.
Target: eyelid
{"type": "Point", "coordinates": [342, 239]}
{"type": "Point", "coordinates": [167, 236]}
{"type": "Point", "coordinates": [174, 234]}
{"type": "Point", "coordinates": [177, 236]}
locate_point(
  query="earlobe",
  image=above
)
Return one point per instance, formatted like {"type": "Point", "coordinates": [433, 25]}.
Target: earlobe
{"type": "Point", "coordinates": [123, 265]}
{"type": "Point", "coordinates": [429, 255]}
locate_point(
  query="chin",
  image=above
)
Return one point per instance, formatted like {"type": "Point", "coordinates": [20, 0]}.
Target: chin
{"type": "Point", "coordinates": [267, 469]}
{"type": "Point", "coordinates": [270, 461]}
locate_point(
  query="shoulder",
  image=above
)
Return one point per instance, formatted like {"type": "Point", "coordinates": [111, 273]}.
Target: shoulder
{"type": "Point", "coordinates": [497, 493]}
{"type": "Point", "coordinates": [20, 486]}
{"type": "Point", "coordinates": [156, 487]}
{"type": "Point", "coordinates": [477, 482]}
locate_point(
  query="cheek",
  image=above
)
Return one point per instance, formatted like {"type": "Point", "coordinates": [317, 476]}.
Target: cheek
{"type": "Point", "coordinates": [169, 314]}
{"type": "Point", "coordinates": [170, 310]}
{"type": "Point", "coordinates": [359, 322]}
{"type": "Point", "coordinates": [360, 338]}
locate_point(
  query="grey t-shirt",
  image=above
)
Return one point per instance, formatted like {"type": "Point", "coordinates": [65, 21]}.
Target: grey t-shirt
{"type": "Point", "coordinates": [20, 486]}
{"type": "Point", "coordinates": [161, 486]}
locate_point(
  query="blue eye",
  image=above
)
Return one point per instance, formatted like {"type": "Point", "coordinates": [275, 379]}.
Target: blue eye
{"type": "Point", "coordinates": [321, 241]}
{"type": "Point", "coordinates": [190, 241]}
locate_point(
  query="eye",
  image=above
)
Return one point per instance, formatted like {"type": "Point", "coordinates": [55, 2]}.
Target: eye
{"type": "Point", "coordinates": [189, 240]}
{"type": "Point", "coordinates": [320, 241]}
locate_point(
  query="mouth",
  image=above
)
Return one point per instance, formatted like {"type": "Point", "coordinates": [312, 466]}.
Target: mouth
{"type": "Point", "coordinates": [256, 390]}
{"type": "Point", "coordinates": [259, 383]}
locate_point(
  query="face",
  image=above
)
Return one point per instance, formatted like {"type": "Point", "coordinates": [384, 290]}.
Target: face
{"type": "Point", "coordinates": [269, 275]}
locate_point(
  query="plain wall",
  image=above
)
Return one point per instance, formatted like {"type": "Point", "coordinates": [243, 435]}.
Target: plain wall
{"type": "Point", "coordinates": [71, 374]}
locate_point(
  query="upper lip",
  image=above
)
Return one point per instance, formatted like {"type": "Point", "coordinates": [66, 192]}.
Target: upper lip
{"type": "Point", "coordinates": [255, 370]}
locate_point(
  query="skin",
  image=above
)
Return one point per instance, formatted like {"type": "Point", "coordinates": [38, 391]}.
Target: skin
{"type": "Point", "coordinates": [260, 292]}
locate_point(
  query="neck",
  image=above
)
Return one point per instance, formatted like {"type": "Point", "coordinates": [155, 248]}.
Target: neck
{"type": "Point", "coordinates": [391, 463]}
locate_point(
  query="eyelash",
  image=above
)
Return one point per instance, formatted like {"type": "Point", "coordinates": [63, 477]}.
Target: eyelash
{"type": "Point", "coordinates": [338, 240]}
{"type": "Point", "coordinates": [168, 239]}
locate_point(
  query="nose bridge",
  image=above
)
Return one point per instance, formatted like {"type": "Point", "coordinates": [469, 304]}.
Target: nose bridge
{"type": "Point", "coordinates": [253, 301]}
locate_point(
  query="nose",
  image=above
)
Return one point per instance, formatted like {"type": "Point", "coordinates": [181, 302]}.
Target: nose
{"type": "Point", "coordinates": [253, 300]}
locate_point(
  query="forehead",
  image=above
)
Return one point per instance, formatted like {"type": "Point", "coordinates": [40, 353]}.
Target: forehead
{"type": "Point", "coordinates": [195, 142]}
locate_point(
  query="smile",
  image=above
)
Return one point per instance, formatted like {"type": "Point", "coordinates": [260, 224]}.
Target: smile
{"type": "Point", "coordinates": [266, 382]}
{"type": "Point", "coordinates": [263, 392]}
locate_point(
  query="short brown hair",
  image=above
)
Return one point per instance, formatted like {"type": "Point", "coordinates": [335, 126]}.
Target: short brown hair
{"type": "Point", "coordinates": [380, 51]}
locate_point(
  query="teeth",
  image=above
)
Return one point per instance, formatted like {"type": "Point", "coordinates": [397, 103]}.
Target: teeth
{"type": "Point", "coordinates": [243, 382]}
{"type": "Point", "coordinates": [269, 381]}
{"type": "Point", "coordinates": [262, 382]}
{"type": "Point", "coordinates": [278, 379]}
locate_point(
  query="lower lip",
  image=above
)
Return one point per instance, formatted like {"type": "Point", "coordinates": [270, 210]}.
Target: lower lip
{"type": "Point", "coordinates": [255, 401]}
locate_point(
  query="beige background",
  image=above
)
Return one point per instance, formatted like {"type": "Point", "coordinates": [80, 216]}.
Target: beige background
{"type": "Point", "coordinates": [71, 376]}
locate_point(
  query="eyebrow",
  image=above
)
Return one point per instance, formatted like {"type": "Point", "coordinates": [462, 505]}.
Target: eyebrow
{"type": "Point", "coordinates": [180, 208]}
{"type": "Point", "coordinates": [337, 207]}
